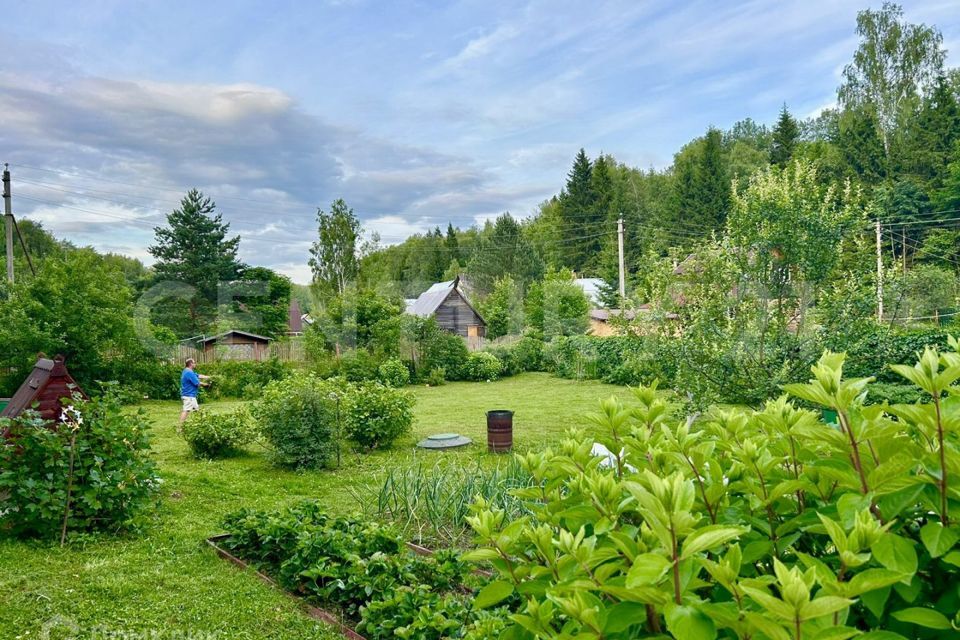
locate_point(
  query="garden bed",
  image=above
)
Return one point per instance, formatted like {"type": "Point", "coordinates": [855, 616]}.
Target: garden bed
{"type": "Point", "coordinates": [357, 575]}
{"type": "Point", "coordinates": [314, 612]}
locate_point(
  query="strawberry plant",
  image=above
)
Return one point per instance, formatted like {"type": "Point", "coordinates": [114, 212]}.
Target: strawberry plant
{"type": "Point", "coordinates": [363, 569]}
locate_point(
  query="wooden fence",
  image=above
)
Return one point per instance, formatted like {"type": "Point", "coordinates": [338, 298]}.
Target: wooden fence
{"type": "Point", "coordinates": [285, 351]}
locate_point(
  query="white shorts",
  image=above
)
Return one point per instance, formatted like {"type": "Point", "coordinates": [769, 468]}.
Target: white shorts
{"type": "Point", "coordinates": [189, 403]}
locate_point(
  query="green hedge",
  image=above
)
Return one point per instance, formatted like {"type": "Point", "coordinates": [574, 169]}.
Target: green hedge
{"type": "Point", "coordinates": [624, 360]}
{"type": "Point", "coordinates": [242, 379]}
{"type": "Point", "coordinates": [870, 349]}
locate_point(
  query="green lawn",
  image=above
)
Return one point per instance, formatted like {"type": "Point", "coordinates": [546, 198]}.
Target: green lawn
{"type": "Point", "coordinates": [166, 582]}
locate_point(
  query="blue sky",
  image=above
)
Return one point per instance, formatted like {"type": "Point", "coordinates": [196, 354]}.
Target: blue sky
{"type": "Point", "coordinates": [417, 113]}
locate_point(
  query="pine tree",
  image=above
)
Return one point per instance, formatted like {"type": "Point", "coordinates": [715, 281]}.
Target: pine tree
{"type": "Point", "coordinates": [193, 250]}
{"type": "Point", "coordinates": [713, 182]}
{"type": "Point", "coordinates": [948, 198]}
{"type": "Point", "coordinates": [929, 138]}
{"type": "Point", "coordinates": [577, 211]}
{"type": "Point", "coordinates": [785, 137]}
{"type": "Point", "coordinates": [453, 245]}
{"type": "Point", "coordinates": [439, 256]}
{"type": "Point", "coordinates": [503, 251]}
{"type": "Point", "coordinates": [862, 147]}
{"type": "Point", "coordinates": [702, 185]}
{"type": "Point", "coordinates": [602, 216]}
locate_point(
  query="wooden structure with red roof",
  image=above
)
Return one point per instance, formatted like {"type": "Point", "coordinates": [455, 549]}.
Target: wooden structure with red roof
{"type": "Point", "coordinates": [44, 390]}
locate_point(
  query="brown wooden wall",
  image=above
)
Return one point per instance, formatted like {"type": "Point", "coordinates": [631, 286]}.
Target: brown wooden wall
{"type": "Point", "coordinates": [455, 315]}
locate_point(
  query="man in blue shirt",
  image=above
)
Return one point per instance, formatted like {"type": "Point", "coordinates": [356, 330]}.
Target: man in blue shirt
{"type": "Point", "coordinates": [189, 386]}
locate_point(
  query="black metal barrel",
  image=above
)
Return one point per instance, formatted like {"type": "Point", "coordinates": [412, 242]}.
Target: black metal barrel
{"type": "Point", "coordinates": [499, 430]}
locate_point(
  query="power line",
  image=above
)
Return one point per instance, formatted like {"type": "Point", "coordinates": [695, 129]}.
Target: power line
{"type": "Point", "coordinates": [917, 247]}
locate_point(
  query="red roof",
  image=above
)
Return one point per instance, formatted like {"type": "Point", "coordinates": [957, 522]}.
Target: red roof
{"type": "Point", "coordinates": [47, 385]}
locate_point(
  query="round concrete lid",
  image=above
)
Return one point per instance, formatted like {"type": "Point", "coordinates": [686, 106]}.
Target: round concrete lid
{"type": "Point", "coordinates": [444, 441]}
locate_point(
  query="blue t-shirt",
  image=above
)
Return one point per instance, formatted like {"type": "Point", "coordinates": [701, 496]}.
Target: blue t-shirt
{"type": "Point", "coordinates": [189, 383]}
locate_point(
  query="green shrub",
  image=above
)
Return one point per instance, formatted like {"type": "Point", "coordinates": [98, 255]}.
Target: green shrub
{"type": "Point", "coordinates": [446, 350]}
{"type": "Point", "coordinates": [144, 377]}
{"type": "Point", "coordinates": [242, 379]}
{"type": "Point", "coordinates": [437, 377]}
{"type": "Point", "coordinates": [872, 346]}
{"type": "Point", "coordinates": [743, 523]}
{"type": "Point", "coordinates": [376, 415]}
{"type": "Point", "coordinates": [357, 365]}
{"type": "Point", "coordinates": [211, 435]}
{"type": "Point", "coordinates": [880, 392]}
{"type": "Point", "coordinates": [482, 366]}
{"type": "Point", "coordinates": [298, 417]}
{"type": "Point", "coordinates": [526, 354]}
{"type": "Point", "coordinates": [113, 480]}
{"type": "Point", "coordinates": [394, 373]}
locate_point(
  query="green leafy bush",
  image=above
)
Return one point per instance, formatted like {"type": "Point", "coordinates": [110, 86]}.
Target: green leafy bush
{"type": "Point", "coordinates": [357, 365]}
{"type": "Point", "coordinates": [526, 354]}
{"type": "Point", "coordinates": [880, 392]}
{"type": "Point", "coordinates": [446, 350]}
{"type": "Point", "coordinates": [872, 346]}
{"type": "Point", "coordinates": [94, 467]}
{"type": "Point", "coordinates": [482, 366]}
{"type": "Point", "coordinates": [437, 377]}
{"type": "Point", "coordinates": [742, 523]}
{"type": "Point", "coordinates": [394, 373]}
{"type": "Point", "coordinates": [211, 435]}
{"type": "Point", "coordinates": [242, 379]}
{"type": "Point", "coordinates": [143, 377]}
{"type": "Point", "coordinates": [298, 417]}
{"type": "Point", "coordinates": [376, 415]}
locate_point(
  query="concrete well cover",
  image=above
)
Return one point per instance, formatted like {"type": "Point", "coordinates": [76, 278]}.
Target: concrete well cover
{"type": "Point", "coordinates": [444, 441]}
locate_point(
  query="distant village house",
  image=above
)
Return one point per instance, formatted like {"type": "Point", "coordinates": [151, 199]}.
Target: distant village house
{"type": "Point", "coordinates": [236, 345]}
{"type": "Point", "coordinates": [445, 302]}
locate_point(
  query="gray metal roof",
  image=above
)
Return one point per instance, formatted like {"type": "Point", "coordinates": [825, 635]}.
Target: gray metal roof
{"type": "Point", "coordinates": [237, 332]}
{"type": "Point", "coordinates": [431, 299]}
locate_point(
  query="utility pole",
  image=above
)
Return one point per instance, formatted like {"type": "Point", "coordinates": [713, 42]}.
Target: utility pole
{"type": "Point", "coordinates": [623, 279]}
{"type": "Point", "coordinates": [879, 276]}
{"type": "Point", "coordinates": [8, 217]}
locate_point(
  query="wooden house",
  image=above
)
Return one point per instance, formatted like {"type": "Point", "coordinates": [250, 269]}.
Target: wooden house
{"type": "Point", "coordinates": [446, 302]}
{"type": "Point", "coordinates": [45, 390]}
{"type": "Point", "coordinates": [236, 345]}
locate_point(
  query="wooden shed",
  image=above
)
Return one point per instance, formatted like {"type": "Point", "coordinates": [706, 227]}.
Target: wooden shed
{"type": "Point", "coordinates": [236, 345]}
{"type": "Point", "coordinates": [446, 302]}
{"type": "Point", "coordinates": [44, 389]}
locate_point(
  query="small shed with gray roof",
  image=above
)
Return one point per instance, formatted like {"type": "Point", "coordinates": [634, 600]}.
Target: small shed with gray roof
{"type": "Point", "coordinates": [446, 302]}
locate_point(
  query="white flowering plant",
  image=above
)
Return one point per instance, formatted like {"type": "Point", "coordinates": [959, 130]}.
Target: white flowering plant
{"type": "Point", "coordinates": [90, 470]}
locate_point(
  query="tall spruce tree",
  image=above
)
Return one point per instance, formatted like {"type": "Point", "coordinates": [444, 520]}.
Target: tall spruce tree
{"type": "Point", "coordinates": [859, 141]}
{"type": "Point", "coordinates": [504, 251]}
{"type": "Point", "coordinates": [453, 244]}
{"type": "Point", "coordinates": [930, 136]}
{"type": "Point", "coordinates": [785, 137]}
{"type": "Point", "coordinates": [713, 192]}
{"type": "Point", "coordinates": [578, 213]}
{"type": "Point", "coordinates": [193, 250]}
